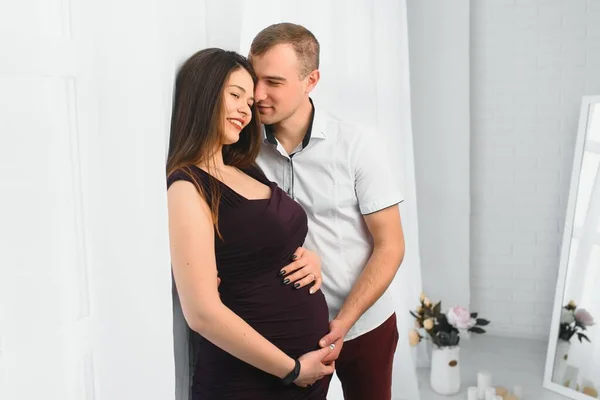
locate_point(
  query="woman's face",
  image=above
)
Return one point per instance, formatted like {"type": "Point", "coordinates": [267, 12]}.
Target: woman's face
{"type": "Point", "coordinates": [238, 98]}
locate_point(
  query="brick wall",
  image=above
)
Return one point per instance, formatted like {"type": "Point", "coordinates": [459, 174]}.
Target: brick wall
{"type": "Point", "coordinates": [531, 62]}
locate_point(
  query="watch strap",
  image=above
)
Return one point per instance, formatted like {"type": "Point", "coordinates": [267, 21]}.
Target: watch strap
{"type": "Point", "coordinates": [292, 376]}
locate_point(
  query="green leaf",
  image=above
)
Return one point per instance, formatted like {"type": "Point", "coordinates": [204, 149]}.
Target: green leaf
{"type": "Point", "coordinates": [414, 315]}
{"type": "Point", "coordinates": [437, 308]}
{"type": "Point", "coordinates": [453, 338]}
{"type": "Point", "coordinates": [476, 330]}
{"type": "Point", "coordinates": [473, 315]}
{"type": "Point", "coordinates": [443, 324]}
{"type": "Point", "coordinates": [482, 322]}
{"type": "Point", "coordinates": [444, 338]}
{"type": "Point", "coordinates": [581, 335]}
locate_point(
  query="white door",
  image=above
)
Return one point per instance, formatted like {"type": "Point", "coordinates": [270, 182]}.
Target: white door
{"type": "Point", "coordinates": [85, 310]}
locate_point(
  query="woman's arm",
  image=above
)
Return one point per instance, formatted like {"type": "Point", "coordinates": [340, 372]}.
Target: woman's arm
{"type": "Point", "coordinates": [194, 268]}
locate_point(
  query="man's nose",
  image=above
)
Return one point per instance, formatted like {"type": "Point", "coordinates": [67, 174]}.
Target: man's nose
{"type": "Point", "coordinates": [260, 93]}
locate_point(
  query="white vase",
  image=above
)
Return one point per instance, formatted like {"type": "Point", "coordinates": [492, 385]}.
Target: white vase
{"type": "Point", "coordinates": [445, 370]}
{"type": "Point", "coordinates": [560, 361]}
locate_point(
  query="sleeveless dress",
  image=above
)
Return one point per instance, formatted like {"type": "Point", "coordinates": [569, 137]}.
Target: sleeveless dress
{"type": "Point", "coordinates": [259, 238]}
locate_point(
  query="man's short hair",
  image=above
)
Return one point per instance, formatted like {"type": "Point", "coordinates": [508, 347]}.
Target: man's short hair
{"type": "Point", "coordinates": [304, 43]}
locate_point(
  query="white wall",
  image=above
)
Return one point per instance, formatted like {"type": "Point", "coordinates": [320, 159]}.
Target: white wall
{"type": "Point", "coordinates": [439, 69]}
{"type": "Point", "coordinates": [531, 61]}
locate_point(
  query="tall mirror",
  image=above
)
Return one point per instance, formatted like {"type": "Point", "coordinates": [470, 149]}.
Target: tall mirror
{"type": "Point", "coordinates": [573, 362]}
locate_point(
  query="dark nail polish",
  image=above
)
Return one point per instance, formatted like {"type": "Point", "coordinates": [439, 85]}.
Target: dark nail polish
{"type": "Point", "coordinates": [294, 257]}
{"type": "Point", "coordinates": [286, 281]}
{"type": "Point", "coordinates": [296, 285]}
{"type": "Point", "coordinates": [282, 272]}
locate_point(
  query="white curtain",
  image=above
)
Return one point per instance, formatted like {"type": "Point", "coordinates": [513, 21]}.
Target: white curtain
{"type": "Point", "coordinates": [87, 95]}
{"type": "Point", "coordinates": [365, 78]}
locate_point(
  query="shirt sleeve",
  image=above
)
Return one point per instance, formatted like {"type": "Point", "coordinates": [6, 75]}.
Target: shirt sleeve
{"type": "Point", "coordinates": [375, 185]}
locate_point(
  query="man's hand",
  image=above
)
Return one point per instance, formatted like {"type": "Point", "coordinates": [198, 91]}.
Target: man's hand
{"type": "Point", "coordinates": [338, 330]}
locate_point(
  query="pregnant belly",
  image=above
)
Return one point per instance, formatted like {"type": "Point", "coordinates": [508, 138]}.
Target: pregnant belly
{"type": "Point", "coordinates": [291, 319]}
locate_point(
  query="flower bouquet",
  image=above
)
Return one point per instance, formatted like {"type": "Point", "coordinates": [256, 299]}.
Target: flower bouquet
{"type": "Point", "coordinates": [443, 329]}
{"type": "Point", "coordinates": [573, 321]}
{"type": "Point", "coordinates": [444, 332]}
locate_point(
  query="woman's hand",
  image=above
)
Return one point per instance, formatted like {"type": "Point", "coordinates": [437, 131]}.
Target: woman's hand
{"type": "Point", "coordinates": [312, 368]}
{"type": "Point", "coordinates": [304, 270]}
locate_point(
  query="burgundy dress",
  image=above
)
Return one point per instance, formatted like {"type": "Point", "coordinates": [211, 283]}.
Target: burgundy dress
{"type": "Point", "coordinates": [259, 238]}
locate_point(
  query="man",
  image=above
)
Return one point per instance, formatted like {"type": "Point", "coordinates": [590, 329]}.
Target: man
{"type": "Point", "coordinates": [338, 173]}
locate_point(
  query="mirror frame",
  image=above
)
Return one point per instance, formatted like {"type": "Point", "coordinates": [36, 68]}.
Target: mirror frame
{"type": "Point", "coordinates": [584, 120]}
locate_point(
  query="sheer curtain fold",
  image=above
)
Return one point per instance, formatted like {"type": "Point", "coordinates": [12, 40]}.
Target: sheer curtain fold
{"type": "Point", "coordinates": [365, 79]}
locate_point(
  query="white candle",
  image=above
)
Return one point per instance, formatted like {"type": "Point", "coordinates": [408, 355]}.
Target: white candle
{"type": "Point", "coordinates": [518, 391]}
{"type": "Point", "coordinates": [484, 381]}
{"type": "Point", "coordinates": [490, 393]}
{"type": "Point", "coordinates": [472, 393]}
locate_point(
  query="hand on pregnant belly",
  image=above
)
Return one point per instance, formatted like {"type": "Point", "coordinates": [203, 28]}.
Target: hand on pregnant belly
{"type": "Point", "coordinates": [304, 270]}
{"type": "Point", "coordinates": [312, 367]}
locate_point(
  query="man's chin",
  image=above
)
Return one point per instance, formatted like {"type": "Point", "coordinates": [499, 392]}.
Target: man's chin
{"type": "Point", "coordinates": [267, 120]}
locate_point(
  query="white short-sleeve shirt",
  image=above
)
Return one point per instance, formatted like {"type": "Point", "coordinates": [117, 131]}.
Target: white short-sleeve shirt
{"type": "Point", "coordinates": [338, 175]}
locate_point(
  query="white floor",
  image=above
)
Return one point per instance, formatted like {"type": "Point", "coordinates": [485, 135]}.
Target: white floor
{"type": "Point", "coordinates": [511, 362]}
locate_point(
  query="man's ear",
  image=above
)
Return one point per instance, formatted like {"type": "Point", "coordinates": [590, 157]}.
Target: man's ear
{"type": "Point", "coordinates": [311, 80]}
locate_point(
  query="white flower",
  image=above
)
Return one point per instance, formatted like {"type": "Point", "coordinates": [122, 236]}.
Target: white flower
{"type": "Point", "coordinates": [567, 317]}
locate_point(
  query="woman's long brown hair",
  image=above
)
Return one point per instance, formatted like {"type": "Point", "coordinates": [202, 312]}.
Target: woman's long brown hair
{"type": "Point", "coordinates": [197, 120]}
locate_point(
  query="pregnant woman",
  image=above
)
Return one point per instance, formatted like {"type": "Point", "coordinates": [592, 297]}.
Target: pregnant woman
{"type": "Point", "coordinates": [227, 220]}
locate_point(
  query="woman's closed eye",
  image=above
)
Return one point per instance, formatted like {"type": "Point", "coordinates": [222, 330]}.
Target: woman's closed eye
{"type": "Point", "coordinates": [237, 96]}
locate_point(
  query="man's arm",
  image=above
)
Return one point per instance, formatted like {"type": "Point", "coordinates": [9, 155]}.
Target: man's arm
{"type": "Point", "coordinates": [388, 251]}
{"type": "Point", "coordinates": [378, 198]}
{"type": "Point", "coordinates": [385, 227]}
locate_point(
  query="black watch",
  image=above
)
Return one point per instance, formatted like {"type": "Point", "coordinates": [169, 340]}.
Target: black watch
{"type": "Point", "coordinates": [292, 376]}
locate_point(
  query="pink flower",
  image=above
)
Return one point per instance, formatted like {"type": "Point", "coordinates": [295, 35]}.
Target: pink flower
{"type": "Point", "coordinates": [584, 317]}
{"type": "Point", "coordinates": [460, 318]}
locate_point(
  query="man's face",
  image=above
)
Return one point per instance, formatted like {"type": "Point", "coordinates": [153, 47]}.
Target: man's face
{"type": "Point", "coordinates": [279, 91]}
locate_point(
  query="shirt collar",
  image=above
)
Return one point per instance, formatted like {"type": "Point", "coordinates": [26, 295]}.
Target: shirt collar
{"type": "Point", "coordinates": [315, 129]}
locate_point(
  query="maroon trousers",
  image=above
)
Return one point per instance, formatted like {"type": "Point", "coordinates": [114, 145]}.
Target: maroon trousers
{"type": "Point", "coordinates": [364, 366]}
